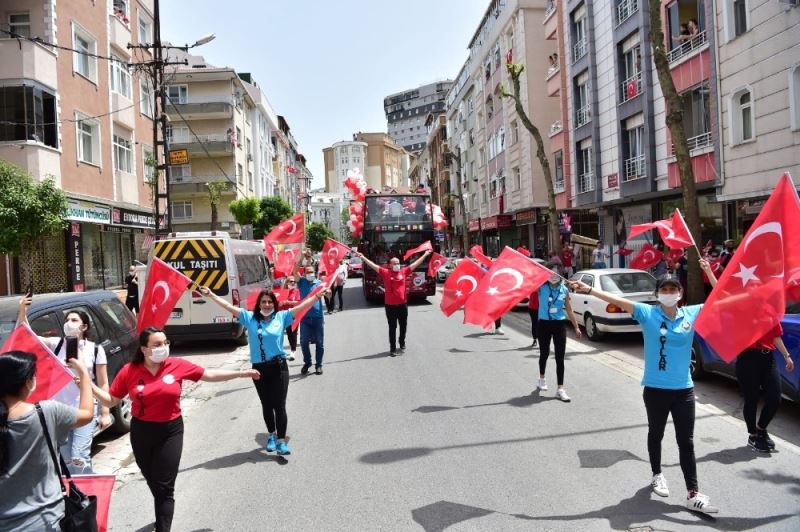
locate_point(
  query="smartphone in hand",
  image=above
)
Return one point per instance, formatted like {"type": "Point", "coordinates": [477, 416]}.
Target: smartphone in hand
{"type": "Point", "coordinates": [29, 293]}
{"type": "Point", "coordinates": [72, 347]}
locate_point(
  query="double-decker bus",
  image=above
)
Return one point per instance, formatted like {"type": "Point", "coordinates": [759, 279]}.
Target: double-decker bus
{"type": "Point", "coordinates": [394, 222]}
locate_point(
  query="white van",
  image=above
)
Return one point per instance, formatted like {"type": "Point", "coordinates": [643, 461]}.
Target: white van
{"type": "Point", "coordinates": [233, 269]}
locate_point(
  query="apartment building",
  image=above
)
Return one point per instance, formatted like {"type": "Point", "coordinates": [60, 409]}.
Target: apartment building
{"type": "Point", "coordinates": [326, 209]}
{"type": "Point", "coordinates": [406, 112]}
{"type": "Point", "coordinates": [83, 117]}
{"type": "Point", "coordinates": [264, 122]}
{"type": "Point", "coordinates": [433, 167]}
{"type": "Point", "coordinates": [341, 158]}
{"type": "Point", "coordinates": [384, 163]}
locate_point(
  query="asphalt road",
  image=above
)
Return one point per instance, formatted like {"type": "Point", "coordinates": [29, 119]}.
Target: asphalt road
{"type": "Point", "coordinates": [450, 436]}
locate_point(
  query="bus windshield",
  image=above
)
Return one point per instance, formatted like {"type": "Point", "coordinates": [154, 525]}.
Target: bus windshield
{"type": "Point", "coordinates": [387, 245]}
{"type": "Point", "coordinates": [397, 209]}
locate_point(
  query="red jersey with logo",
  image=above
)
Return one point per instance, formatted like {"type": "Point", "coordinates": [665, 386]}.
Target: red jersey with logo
{"type": "Point", "coordinates": [566, 258]}
{"type": "Point", "coordinates": [768, 340]}
{"type": "Point", "coordinates": [394, 285]}
{"type": "Point", "coordinates": [155, 397]}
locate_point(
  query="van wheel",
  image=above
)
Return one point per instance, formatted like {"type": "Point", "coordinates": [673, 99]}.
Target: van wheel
{"type": "Point", "coordinates": [242, 338]}
{"type": "Point", "coordinates": [122, 416]}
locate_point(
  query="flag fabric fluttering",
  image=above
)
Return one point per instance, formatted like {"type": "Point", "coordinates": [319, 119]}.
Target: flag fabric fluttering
{"type": "Point", "coordinates": [673, 231]}
{"type": "Point", "coordinates": [289, 231]}
{"type": "Point", "coordinates": [165, 286]}
{"type": "Point", "coordinates": [647, 257]}
{"type": "Point", "coordinates": [477, 252]}
{"type": "Point", "coordinates": [425, 246]}
{"type": "Point", "coordinates": [435, 262]}
{"type": "Point", "coordinates": [461, 283]}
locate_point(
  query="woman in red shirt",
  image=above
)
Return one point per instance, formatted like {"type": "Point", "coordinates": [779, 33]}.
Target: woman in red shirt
{"type": "Point", "coordinates": [153, 382]}
{"type": "Point", "coordinates": [292, 299]}
{"type": "Point", "coordinates": [533, 312]}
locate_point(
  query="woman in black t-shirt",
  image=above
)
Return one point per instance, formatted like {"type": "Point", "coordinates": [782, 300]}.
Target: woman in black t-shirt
{"type": "Point", "coordinates": [132, 284]}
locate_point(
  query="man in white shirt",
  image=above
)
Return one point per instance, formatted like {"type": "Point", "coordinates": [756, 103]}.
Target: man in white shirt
{"type": "Point", "coordinates": [338, 287]}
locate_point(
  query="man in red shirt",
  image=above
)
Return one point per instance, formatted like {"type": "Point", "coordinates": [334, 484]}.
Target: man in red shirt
{"type": "Point", "coordinates": [395, 300]}
{"type": "Point", "coordinates": [566, 260]}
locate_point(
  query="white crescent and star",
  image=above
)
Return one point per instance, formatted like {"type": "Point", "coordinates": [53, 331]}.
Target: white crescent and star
{"type": "Point", "coordinates": [164, 286]}
{"type": "Point", "coordinates": [294, 227]}
{"type": "Point", "coordinates": [472, 281]}
{"type": "Point", "coordinates": [518, 280]}
{"type": "Point", "coordinates": [747, 274]}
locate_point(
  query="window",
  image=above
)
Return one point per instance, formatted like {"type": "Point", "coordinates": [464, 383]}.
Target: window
{"type": "Point", "coordinates": [238, 137]}
{"type": "Point", "coordinates": [558, 182]}
{"type": "Point", "coordinates": [180, 173]}
{"type": "Point", "coordinates": [739, 17]}
{"type": "Point", "coordinates": [178, 94]}
{"type": "Point", "coordinates": [579, 34]}
{"type": "Point", "coordinates": [123, 156]}
{"type": "Point", "coordinates": [250, 179]}
{"type": "Point", "coordinates": [514, 132]}
{"type": "Point", "coordinates": [84, 44]}
{"type": "Point", "coordinates": [517, 178]}
{"type": "Point", "coordinates": [634, 153]}
{"type": "Point", "coordinates": [146, 105]}
{"type": "Point", "coordinates": [88, 135]}
{"type": "Point", "coordinates": [20, 24]}
{"type": "Point", "coordinates": [697, 117]}
{"type": "Point", "coordinates": [149, 171]}
{"type": "Point", "coordinates": [582, 108]}
{"type": "Point", "coordinates": [121, 8]}
{"type": "Point", "coordinates": [746, 116]}
{"type": "Point", "coordinates": [145, 29]}
{"type": "Point", "coordinates": [239, 173]}
{"type": "Point", "coordinates": [28, 114]}
{"type": "Point", "coordinates": [181, 210]}
{"type": "Point", "coordinates": [120, 77]}
{"type": "Point", "coordinates": [794, 97]}
{"type": "Point", "coordinates": [177, 135]}
{"type": "Point", "coordinates": [585, 175]}
{"type": "Point", "coordinates": [484, 197]}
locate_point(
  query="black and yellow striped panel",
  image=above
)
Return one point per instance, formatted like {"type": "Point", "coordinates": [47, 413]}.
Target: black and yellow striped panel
{"type": "Point", "coordinates": [200, 259]}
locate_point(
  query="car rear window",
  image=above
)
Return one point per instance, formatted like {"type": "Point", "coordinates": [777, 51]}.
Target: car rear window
{"type": "Point", "coordinates": [118, 314]}
{"type": "Point", "coordinates": [628, 282]}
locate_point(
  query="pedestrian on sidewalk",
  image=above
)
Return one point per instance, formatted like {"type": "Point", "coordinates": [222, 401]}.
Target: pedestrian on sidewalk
{"type": "Point", "coordinates": [292, 299]}
{"type": "Point", "coordinates": [132, 286]}
{"type": "Point", "coordinates": [323, 276]}
{"type": "Point", "coordinates": [554, 313]}
{"type": "Point", "coordinates": [29, 478]}
{"type": "Point", "coordinates": [338, 286]}
{"type": "Point", "coordinates": [313, 323]}
{"type": "Point", "coordinates": [395, 298]}
{"type": "Point", "coordinates": [668, 332]}
{"type": "Point", "coordinates": [153, 381]}
{"type": "Point", "coordinates": [758, 376]}
{"type": "Point", "coordinates": [599, 257]}
{"type": "Point", "coordinates": [533, 312]}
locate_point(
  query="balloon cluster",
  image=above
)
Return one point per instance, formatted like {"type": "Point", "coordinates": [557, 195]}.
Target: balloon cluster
{"type": "Point", "coordinates": [439, 221]}
{"type": "Point", "coordinates": [358, 190]}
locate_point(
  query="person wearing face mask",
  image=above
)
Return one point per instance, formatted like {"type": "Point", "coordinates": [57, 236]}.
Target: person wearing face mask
{"type": "Point", "coordinates": [153, 381]}
{"type": "Point", "coordinates": [554, 312]}
{"type": "Point", "coordinates": [668, 332]}
{"type": "Point", "coordinates": [313, 323]}
{"type": "Point", "coordinates": [395, 279]}
{"type": "Point", "coordinates": [77, 450]}
{"type": "Point", "coordinates": [31, 494]}
{"type": "Point", "coordinates": [132, 286]}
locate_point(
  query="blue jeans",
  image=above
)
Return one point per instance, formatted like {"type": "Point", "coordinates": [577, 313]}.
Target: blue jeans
{"type": "Point", "coordinates": [599, 265]}
{"type": "Point", "coordinates": [77, 451]}
{"type": "Point", "coordinates": [312, 327]}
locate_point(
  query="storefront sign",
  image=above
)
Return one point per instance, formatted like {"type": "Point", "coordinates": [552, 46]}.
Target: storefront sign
{"type": "Point", "coordinates": [474, 225]}
{"type": "Point", "coordinates": [131, 218]}
{"type": "Point", "coordinates": [117, 229]}
{"type": "Point", "coordinates": [497, 222]}
{"type": "Point", "coordinates": [525, 217]}
{"type": "Point", "coordinates": [76, 257]}
{"type": "Point", "coordinates": [613, 180]}
{"type": "Point", "coordinates": [177, 157]}
{"type": "Point", "coordinates": [83, 211]}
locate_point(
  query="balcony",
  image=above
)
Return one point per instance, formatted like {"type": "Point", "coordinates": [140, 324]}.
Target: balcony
{"type": "Point", "coordinates": [697, 142]}
{"type": "Point", "coordinates": [549, 10]}
{"type": "Point", "coordinates": [218, 145]}
{"type": "Point", "coordinates": [196, 185]}
{"type": "Point", "coordinates": [550, 20]}
{"type": "Point", "coordinates": [120, 33]}
{"type": "Point", "coordinates": [124, 110]}
{"type": "Point", "coordinates": [553, 81]}
{"type": "Point", "coordinates": [27, 60]}
{"type": "Point", "coordinates": [631, 88]}
{"type": "Point", "coordinates": [205, 109]}
{"type": "Point", "coordinates": [634, 168]}
{"type": "Point", "coordinates": [555, 128]}
{"type": "Point", "coordinates": [585, 182]}
{"type": "Point", "coordinates": [36, 159]}
{"type": "Point", "coordinates": [687, 47]}
{"type": "Point", "coordinates": [583, 116]}
{"type": "Point", "coordinates": [579, 49]}
{"type": "Point", "coordinates": [625, 9]}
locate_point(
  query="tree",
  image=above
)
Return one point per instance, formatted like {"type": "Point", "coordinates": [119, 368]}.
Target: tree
{"type": "Point", "coordinates": [456, 158]}
{"type": "Point", "coordinates": [273, 211]}
{"type": "Point", "coordinates": [215, 189]}
{"type": "Point", "coordinates": [316, 233]}
{"type": "Point", "coordinates": [346, 234]}
{"type": "Point", "coordinates": [515, 71]}
{"type": "Point", "coordinates": [674, 120]}
{"type": "Point", "coordinates": [245, 211]}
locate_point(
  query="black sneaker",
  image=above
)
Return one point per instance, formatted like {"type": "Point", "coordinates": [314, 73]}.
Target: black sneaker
{"type": "Point", "coordinates": [305, 368]}
{"type": "Point", "coordinates": [392, 353]}
{"type": "Point", "coordinates": [402, 349]}
{"type": "Point", "coordinates": [770, 443]}
{"type": "Point", "coordinates": [318, 371]}
{"type": "Point", "coordinates": [757, 443]}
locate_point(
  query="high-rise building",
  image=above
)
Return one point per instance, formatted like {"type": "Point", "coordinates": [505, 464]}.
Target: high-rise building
{"type": "Point", "coordinates": [341, 158]}
{"type": "Point", "coordinates": [382, 162]}
{"type": "Point", "coordinates": [406, 113]}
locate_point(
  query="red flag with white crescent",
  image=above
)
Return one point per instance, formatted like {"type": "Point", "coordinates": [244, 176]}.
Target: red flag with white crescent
{"type": "Point", "coordinates": [289, 231]}
{"type": "Point", "coordinates": [425, 246]}
{"type": "Point", "coordinates": [435, 262]}
{"type": "Point", "coordinates": [285, 260]}
{"type": "Point", "coordinates": [647, 257]}
{"type": "Point", "coordinates": [477, 252]}
{"type": "Point", "coordinates": [332, 253]}
{"type": "Point", "coordinates": [317, 289]}
{"type": "Point", "coordinates": [461, 283]}
{"type": "Point", "coordinates": [165, 286]}
{"type": "Point", "coordinates": [673, 231]}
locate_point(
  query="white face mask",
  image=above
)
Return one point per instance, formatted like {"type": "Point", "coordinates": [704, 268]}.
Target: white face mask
{"type": "Point", "coordinates": [159, 354]}
{"type": "Point", "coordinates": [310, 277]}
{"type": "Point", "coordinates": [395, 267]}
{"type": "Point", "coordinates": [668, 300]}
{"type": "Point", "coordinates": [71, 329]}
{"type": "Point", "coordinates": [555, 279]}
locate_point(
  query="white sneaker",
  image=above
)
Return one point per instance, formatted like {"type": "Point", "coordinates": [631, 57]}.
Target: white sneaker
{"type": "Point", "coordinates": [499, 330]}
{"type": "Point", "coordinates": [562, 394]}
{"type": "Point", "coordinates": [659, 484]}
{"type": "Point", "coordinates": [699, 503]}
{"type": "Point", "coordinates": [542, 385]}
{"type": "Point", "coordinates": [290, 358]}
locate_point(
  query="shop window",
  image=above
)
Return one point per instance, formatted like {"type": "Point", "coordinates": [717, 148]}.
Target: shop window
{"type": "Point", "coordinates": [85, 45]}
{"type": "Point", "coordinates": [181, 210]}
{"type": "Point", "coordinates": [28, 114]}
{"type": "Point", "coordinates": [88, 135]}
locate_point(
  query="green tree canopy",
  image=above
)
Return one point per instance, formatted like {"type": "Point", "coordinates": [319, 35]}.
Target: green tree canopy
{"type": "Point", "coordinates": [316, 234]}
{"type": "Point", "coordinates": [349, 238]}
{"type": "Point", "coordinates": [273, 211]}
{"type": "Point", "coordinates": [246, 211]}
{"type": "Point", "coordinates": [28, 210]}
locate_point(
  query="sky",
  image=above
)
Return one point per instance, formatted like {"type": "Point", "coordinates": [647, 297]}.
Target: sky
{"type": "Point", "coordinates": [327, 65]}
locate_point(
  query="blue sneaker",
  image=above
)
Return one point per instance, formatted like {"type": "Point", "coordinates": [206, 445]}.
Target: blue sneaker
{"type": "Point", "coordinates": [283, 449]}
{"type": "Point", "coordinates": [271, 443]}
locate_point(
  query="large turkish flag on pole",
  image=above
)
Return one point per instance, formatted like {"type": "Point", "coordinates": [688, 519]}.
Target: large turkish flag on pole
{"type": "Point", "coordinates": [289, 231]}
{"type": "Point", "coordinates": [463, 281]}
{"type": "Point", "coordinates": [477, 252]}
{"type": "Point", "coordinates": [286, 259]}
{"type": "Point", "coordinates": [165, 286]}
{"type": "Point", "coordinates": [332, 253]}
{"type": "Point", "coordinates": [750, 297]}
{"type": "Point", "coordinates": [673, 231]}
{"type": "Point", "coordinates": [425, 246]}
{"type": "Point", "coordinates": [647, 257]}
{"type": "Point", "coordinates": [512, 278]}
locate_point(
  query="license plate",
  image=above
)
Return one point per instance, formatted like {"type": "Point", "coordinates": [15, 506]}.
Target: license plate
{"type": "Point", "coordinates": [176, 314]}
{"type": "Point", "coordinates": [222, 319]}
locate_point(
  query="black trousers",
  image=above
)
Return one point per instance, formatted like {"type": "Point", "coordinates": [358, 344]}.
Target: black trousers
{"type": "Point", "coordinates": [132, 302]}
{"type": "Point", "coordinates": [557, 331]}
{"type": "Point", "coordinates": [660, 403]}
{"type": "Point", "coordinates": [534, 314]}
{"type": "Point", "coordinates": [157, 448]}
{"type": "Point", "coordinates": [758, 373]}
{"type": "Point", "coordinates": [329, 303]}
{"type": "Point", "coordinates": [397, 314]}
{"type": "Point", "coordinates": [337, 291]}
{"type": "Point", "coordinates": [272, 388]}
{"type": "Point", "coordinates": [498, 323]}
{"type": "Point", "coordinates": [291, 334]}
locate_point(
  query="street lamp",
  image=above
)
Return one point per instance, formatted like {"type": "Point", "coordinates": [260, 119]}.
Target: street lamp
{"type": "Point", "coordinates": [205, 39]}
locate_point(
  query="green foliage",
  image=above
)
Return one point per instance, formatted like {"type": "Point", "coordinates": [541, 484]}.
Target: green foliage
{"type": "Point", "coordinates": [246, 211]}
{"type": "Point", "coordinates": [316, 234]}
{"type": "Point", "coordinates": [273, 211]}
{"type": "Point", "coordinates": [215, 189]}
{"type": "Point", "coordinates": [350, 240]}
{"type": "Point", "coordinates": [28, 210]}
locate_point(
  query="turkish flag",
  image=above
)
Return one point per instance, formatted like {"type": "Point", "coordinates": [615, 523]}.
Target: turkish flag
{"type": "Point", "coordinates": [54, 381]}
{"type": "Point", "coordinates": [647, 257]}
{"type": "Point", "coordinates": [289, 231]}
{"type": "Point", "coordinates": [332, 253]}
{"type": "Point", "coordinates": [477, 252]}
{"type": "Point", "coordinates": [299, 317]}
{"type": "Point", "coordinates": [165, 286]}
{"type": "Point", "coordinates": [285, 261]}
{"type": "Point", "coordinates": [436, 262]}
{"type": "Point", "coordinates": [675, 255]}
{"type": "Point", "coordinates": [673, 231]}
{"type": "Point", "coordinates": [425, 246]}
{"type": "Point", "coordinates": [750, 297]}
{"type": "Point", "coordinates": [269, 251]}
{"type": "Point", "coordinates": [512, 278]}
{"type": "Point", "coordinates": [459, 286]}
{"type": "Point", "coordinates": [524, 251]}
{"type": "Point", "coordinates": [624, 252]}
{"type": "Point", "coordinates": [101, 487]}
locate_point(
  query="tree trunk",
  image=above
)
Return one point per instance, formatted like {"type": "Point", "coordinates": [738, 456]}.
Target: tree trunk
{"type": "Point", "coordinates": [515, 70]}
{"type": "Point", "coordinates": [674, 120]}
{"type": "Point", "coordinates": [461, 204]}
{"type": "Point", "coordinates": [214, 217]}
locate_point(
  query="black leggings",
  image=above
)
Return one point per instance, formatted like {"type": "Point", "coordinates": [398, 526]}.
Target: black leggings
{"type": "Point", "coordinates": [557, 330]}
{"type": "Point", "coordinates": [534, 314]}
{"type": "Point", "coordinates": [757, 372]}
{"type": "Point", "coordinates": [395, 314]}
{"type": "Point", "coordinates": [272, 388]}
{"type": "Point", "coordinates": [157, 448]}
{"type": "Point", "coordinates": [660, 403]}
{"type": "Point", "coordinates": [291, 334]}
{"type": "Point", "coordinates": [337, 290]}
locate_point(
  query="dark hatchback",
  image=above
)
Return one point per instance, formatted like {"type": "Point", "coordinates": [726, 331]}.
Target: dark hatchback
{"type": "Point", "coordinates": [113, 327]}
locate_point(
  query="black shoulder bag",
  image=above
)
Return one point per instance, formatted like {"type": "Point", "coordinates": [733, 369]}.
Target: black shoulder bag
{"type": "Point", "coordinates": [80, 510]}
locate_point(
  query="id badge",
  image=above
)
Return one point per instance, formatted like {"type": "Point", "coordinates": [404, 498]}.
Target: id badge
{"type": "Point", "coordinates": [553, 310]}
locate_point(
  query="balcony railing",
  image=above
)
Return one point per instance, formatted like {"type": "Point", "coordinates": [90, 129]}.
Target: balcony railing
{"type": "Point", "coordinates": [583, 116]}
{"type": "Point", "coordinates": [634, 167]}
{"type": "Point", "coordinates": [218, 137]}
{"type": "Point", "coordinates": [687, 47]}
{"type": "Point", "coordinates": [578, 49]}
{"type": "Point", "coordinates": [551, 71]}
{"type": "Point", "coordinates": [585, 182]}
{"type": "Point", "coordinates": [631, 87]}
{"type": "Point", "coordinates": [555, 127]}
{"type": "Point", "coordinates": [702, 140]}
{"type": "Point", "coordinates": [558, 185]}
{"type": "Point", "coordinates": [549, 10]}
{"type": "Point", "coordinates": [625, 9]}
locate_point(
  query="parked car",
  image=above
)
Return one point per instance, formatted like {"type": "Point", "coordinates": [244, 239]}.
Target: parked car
{"type": "Point", "coordinates": [524, 303]}
{"type": "Point", "coordinates": [598, 317]}
{"type": "Point", "coordinates": [112, 326]}
{"type": "Point", "coordinates": [355, 268]}
{"type": "Point", "coordinates": [705, 360]}
{"type": "Point", "coordinates": [444, 272]}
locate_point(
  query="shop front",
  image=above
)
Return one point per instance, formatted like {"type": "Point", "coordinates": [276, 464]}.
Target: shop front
{"type": "Point", "coordinates": [495, 234]}
{"type": "Point", "coordinates": [474, 228]}
{"type": "Point", "coordinates": [524, 222]}
{"type": "Point", "coordinates": [712, 217]}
